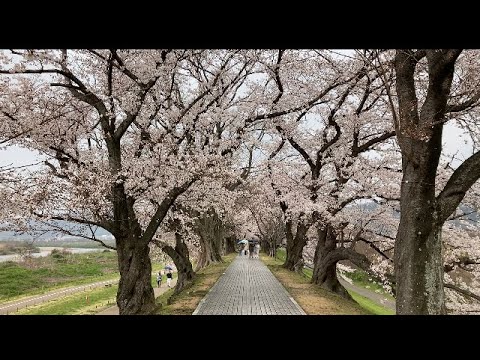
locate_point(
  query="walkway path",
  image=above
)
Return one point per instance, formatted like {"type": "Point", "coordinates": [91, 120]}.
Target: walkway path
{"type": "Point", "coordinates": [13, 306]}
{"type": "Point", "coordinates": [113, 310]}
{"type": "Point", "coordinates": [248, 288]}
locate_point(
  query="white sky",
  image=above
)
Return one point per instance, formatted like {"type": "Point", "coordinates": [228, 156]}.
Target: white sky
{"type": "Point", "coordinates": [17, 156]}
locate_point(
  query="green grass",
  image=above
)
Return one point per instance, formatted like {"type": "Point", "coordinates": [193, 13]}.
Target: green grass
{"type": "Point", "coordinates": [369, 305]}
{"type": "Point", "coordinates": [46, 273]}
{"type": "Point", "coordinates": [313, 299]}
{"type": "Point", "coordinates": [360, 278]}
{"type": "Point", "coordinates": [281, 255]}
{"type": "Point", "coordinates": [76, 303]}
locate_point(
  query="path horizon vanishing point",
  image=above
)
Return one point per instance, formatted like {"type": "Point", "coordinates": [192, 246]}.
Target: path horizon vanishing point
{"type": "Point", "coordinates": [248, 287]}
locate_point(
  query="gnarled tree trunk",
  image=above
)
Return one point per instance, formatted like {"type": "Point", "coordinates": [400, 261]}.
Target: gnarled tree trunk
{"type": "Point", "coordinates": [209, 251]}
{"type": "Point", "coordinates": [295, 245]}
{"type": "Point", "coordinates": [211, 232]}
{"type": "Point", "coordinates": [135, 293]}
{"type": "Point", "coordinates": [181, 259]}
{"type": "Point", "coordinates": [327, 254]}
{"type": "Point", "coordinates": [325, 271]}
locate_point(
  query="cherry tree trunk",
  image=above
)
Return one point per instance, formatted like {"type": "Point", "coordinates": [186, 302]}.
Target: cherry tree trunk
{"type": "Point", "coordinates": [418, 246]}
{"type": "Point", "coordinates": [181, 259]}
{"type": "Point", "coordinates": [266, 246]}
{"type": "Point", "coordinates": [325, 264]}
{"type": "Point", "coordinates": [326, 277]}
{"type": "Point", "coordinates": [295, 245]}
{"type": "Point", "coordinates": [210, 251]}
{"type": "Point", "coordinates": [135, 293]}
{"type": "Point", "coordinates": [211, 232]}
{"type": "Point", "coordinates": [229, 245]}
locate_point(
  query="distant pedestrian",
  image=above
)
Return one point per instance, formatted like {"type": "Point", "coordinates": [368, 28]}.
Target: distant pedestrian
{"type": "Point", "coordinates": [257, 250]}
{"type": "Point", "coordinates": [159, 279]}
{"type": "Point", "coordinates": [251, 249]}
{"type": "Point", "coordinates": [245, 249]}
{"type": "Point", "coordinates": [169, 278]}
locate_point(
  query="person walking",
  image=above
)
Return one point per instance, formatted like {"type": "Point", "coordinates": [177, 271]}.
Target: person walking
{"type": "Point", "coordinates": [251, 249]}
{"type": "Point", "coordinates": [159, 279]}
{"type": "Point", "coordinates": [169, 278]}
{"type": "Point", "coordinates": [257, 250]}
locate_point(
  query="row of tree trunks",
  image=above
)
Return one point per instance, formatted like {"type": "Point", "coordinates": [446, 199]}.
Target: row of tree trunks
{"type": "Point", "coordinates": [210, 251]}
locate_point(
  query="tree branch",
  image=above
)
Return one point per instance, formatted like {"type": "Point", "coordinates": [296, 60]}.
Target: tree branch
{"type": "Point", "coordinates": [462, 291]}
{"type": "Point", "coordinates": [457, 186]}
{"type": "Point", "coordinates": [163, 209]}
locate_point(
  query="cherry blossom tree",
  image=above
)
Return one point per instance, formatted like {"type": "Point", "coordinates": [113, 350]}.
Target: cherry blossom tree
{"type": "Point", "coordinates": [126, 133]}
{"type": "Point", "coordinates": [433, 87]}
{"type": "Point", "coordinates": [347, 138]}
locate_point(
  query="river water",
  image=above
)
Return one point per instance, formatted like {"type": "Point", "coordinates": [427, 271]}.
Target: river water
{"type": "Point", "coordinates": [45, 251]}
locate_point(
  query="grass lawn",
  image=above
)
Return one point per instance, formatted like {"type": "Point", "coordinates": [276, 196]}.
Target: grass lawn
{"type": "Point", "coordinates": [360, 278]}
{"type": "Point", "coordinates": [369, 305]}
{"type": "Point", "coordinates": [46, 273]}
{"type": "Point", "coordinates": [187, 301]}
{"type": "Point", "coordinates": [76, 304]}
{"type": "Point", "coordinates": [40, 275]}
{"type": "Point", "coordinates": [312, 299]}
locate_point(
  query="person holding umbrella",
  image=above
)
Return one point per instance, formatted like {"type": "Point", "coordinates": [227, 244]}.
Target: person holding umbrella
{"type": "Point", "coordinates": [169, 275]}
{"type": "Point", "coordinates": [242, 246]}
{"type": "Point", "coordinates": [169, 278]}
{"type": "Point", "coordinates": [251, 246]}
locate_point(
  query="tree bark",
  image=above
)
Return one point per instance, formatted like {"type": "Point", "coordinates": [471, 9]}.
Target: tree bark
{"type": "Point", "coordinates": [135, 293]}
{"type": "Point", "coordinates": [265, 246]}
{"type": "Point", "coordinates": [295, 245]}
{"type": "Point", "coordinates": [325, 272]}
{"type": "Point", "coordinates": [211, 232]}
{"type": "Point", "coordinates": [209, 251]}
{"type": "Point", "coordinates": [418, 245]}
{"type": "Point", "coordinates": [181, 259]}
{"type": "Point", "coordinates": [230, 242]}
{"type": "Point", "coordinates": [326, 257]}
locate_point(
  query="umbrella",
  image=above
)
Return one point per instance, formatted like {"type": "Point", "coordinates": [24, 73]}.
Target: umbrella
{"type": "Point", "coordinates": [168, 267]}
{"type": "Point", "coordinates": [242, 241]}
